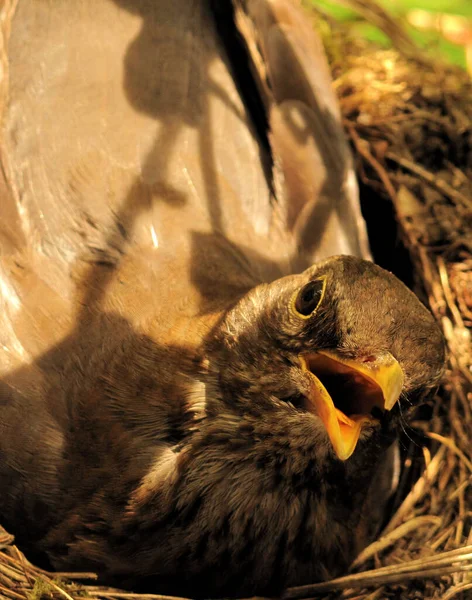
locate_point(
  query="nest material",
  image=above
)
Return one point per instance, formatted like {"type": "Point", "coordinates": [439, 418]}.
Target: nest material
{"type": "Point", "coordinates": [409, 119]}
{"type": "Point", "coordinates": [410, 123]}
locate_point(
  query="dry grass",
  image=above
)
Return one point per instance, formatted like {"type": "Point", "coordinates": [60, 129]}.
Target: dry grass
{"type": "Point", "coordinates": [410, 123]}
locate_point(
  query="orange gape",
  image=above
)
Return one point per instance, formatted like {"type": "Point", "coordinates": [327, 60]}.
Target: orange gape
{"type": "Point", "coordinates": [200, 369]}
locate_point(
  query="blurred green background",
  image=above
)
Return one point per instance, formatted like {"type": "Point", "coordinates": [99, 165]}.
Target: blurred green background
{"type": "Point", "coordinates": [443, 26]}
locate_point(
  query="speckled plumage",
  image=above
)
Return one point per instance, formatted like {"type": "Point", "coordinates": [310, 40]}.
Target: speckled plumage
{"type": "Point", "coordinates": [152, 426]}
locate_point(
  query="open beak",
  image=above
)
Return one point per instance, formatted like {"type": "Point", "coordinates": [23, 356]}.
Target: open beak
{"type": "Point", "coordinates": [345, 393]}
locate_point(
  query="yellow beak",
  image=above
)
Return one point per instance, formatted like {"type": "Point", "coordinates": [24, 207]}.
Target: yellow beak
{"type": "Point", "coordinates": [343, 393]}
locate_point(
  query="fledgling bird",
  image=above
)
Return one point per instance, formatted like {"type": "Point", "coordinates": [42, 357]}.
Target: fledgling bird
{"type": "Point", "coordinates": [201, 370]}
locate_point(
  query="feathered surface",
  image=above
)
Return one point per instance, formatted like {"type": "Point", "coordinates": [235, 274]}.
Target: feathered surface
{"type": "Point", "coordinates": [166, 169]}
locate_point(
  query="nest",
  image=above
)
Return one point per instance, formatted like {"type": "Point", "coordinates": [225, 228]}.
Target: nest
{"type": "Point", "coordinates": [409, 119]}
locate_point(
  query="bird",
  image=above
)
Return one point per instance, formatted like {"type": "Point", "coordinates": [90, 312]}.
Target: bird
{"type": "Point", "coordinates": [202, 371]}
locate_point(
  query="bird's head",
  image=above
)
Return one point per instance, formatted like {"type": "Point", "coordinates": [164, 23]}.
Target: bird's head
{"type": "Point", "coordinates": [339, 344]}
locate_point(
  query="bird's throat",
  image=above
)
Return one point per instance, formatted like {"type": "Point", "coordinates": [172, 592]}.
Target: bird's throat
{"type": "Point", "coordinates": [348, 394]}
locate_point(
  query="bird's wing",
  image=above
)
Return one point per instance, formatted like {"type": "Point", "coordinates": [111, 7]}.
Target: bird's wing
{"type": "Point", "coordinates": [313, 171]}
{"type": "Point", "coordinates": [123, 133]}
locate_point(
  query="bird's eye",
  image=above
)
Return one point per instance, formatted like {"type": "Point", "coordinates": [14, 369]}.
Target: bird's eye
{"type": "Point", "coordinates": [309, 297]}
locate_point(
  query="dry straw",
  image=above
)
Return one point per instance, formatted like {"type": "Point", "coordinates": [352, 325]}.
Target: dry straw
{"type": "Point", "coordinates": [409, 119]}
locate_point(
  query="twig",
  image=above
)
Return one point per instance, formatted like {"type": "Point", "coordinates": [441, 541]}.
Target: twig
{"type": "Point", "coordinates": [112, 594]}
{"type": "Point", "coordinates": [451, 445]}
{"type": "Point", "coordinates": [433, 180]}
{"type": "Point", "coordinates": [56, 587]}
{"type": "Point", "coordinates": [395, 535]}
{"type": "Point", "coordinates": [458, 589]}
{"type": "Point", "coordinates": [448, 292]}
{"type": "Point", "coordinates": [12, 593]}
{"type": "Point", "coordinates": [418, 490]}
{"type": "Point", "coordinates": [374, 163]}
{"type": "Point", "coordinates": [370, 578]}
